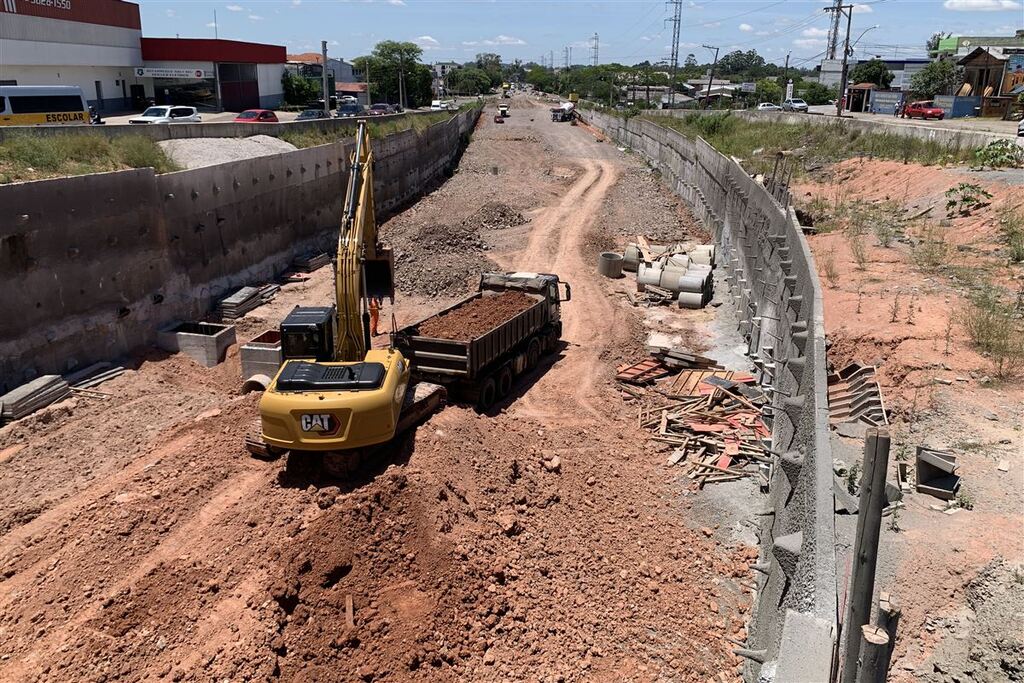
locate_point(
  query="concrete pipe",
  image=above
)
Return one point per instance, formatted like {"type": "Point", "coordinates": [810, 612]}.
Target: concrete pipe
{"type": "Point", "coordinates": [683, 283]}
{"type": "Point", "coordinates": [690, 300]}
{"type": "Point", "coordinates": [631, 258]}
{"type": "Point", "coordinates": [648, 275]}
{"type": "Point", "coordinates": [701, 257]}
{"type": "Point", "coordinates": [705, 278]}
{"type": "Point", "coordinates": [256, 383]}
{"type": "Point", "coordinates": [678, 261]}
{"type": "Point", "coordinates": [609, 264]}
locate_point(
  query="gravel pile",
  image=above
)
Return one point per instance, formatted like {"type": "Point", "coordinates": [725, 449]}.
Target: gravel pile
{"type": "Point", "coordinates": [198, 152]}
{"type": "Point", "coordinates": [652, 210]}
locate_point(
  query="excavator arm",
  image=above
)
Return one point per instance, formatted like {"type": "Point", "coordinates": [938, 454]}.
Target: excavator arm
{"type": "Point", "coordinates": [365, 270]}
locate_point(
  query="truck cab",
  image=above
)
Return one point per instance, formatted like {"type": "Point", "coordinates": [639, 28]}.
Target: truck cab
{"type": "Point", "coordinates": [503, 110]}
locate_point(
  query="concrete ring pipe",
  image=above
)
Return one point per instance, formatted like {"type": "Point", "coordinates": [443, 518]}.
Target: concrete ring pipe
{"type": "Point", "coordinates": [700, 257]}
{"type": "Point", "coordinates": [609, 264]}
{"type": "Point", "coordinates": [690, 300]}
{"type": "Point", "coordinates": [256, 383]}
{"type": "Point", "coordinates": [648, 275]}
{"type": "Point", "coordinates": [631, 258]}
{"type": "Point", "coordinates": [683, 283]}
{"type": "Point", "coordinates": [678, 261]}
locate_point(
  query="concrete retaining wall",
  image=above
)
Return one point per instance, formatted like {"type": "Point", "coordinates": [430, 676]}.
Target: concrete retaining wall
{"type": "Point", "coordinates": [952, 138]}
{"type": "Point", "coordinates": [91, 266]}
{"type": "Point", "coordinates": [777, 300]}
{"type": "Point", "coordinates": [226, 129]}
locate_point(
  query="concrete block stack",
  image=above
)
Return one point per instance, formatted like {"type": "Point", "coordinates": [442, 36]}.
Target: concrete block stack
{"type": "Point", "coordinates": [30, 397]}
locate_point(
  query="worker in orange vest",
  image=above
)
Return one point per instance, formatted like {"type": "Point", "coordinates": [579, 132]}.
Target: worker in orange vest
{"type": "Point", "coordinates": [375, 303]}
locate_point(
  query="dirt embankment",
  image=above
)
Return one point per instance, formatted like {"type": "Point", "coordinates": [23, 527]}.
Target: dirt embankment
{"type": "Point", "coordinates": [477, 317]}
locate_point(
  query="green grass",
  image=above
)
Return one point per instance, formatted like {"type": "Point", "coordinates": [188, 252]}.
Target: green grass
{"type": "Point", "coordinates": [757, 142]}
{"type": "Point", "coordinates": [33, 157]}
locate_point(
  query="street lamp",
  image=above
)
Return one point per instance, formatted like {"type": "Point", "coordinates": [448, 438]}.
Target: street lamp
{"type": "Point", "coordinates": [869, 28]}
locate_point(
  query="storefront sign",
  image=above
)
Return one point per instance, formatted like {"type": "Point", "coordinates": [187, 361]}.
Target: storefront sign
{"type": "Point", "coordinates": [144, 72]}
{"type": "Point", "coordinates": [748, 87]}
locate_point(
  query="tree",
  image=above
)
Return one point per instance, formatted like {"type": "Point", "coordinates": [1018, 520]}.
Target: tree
{"type": "Point", "coordinates": [540, 78]}
{"type": "Point", "coordinates": [768, 91]}
{"type": "Point", "coordinates": [816, 93]}
{"type": "Point", "coordinates": [298, 90]}
{"type": "Point", "coordinates": [490, 63]}
{"type": "Point", "coordinates": [938, 78]}
{"type": "Point", "coordinates": [873, 71]}
{"type": "Point", "coordinates": [932, 44]}
{"type": "Point", "coordinates": [469, 81]}
{"type": "Point", "coordinates": [383, 66]}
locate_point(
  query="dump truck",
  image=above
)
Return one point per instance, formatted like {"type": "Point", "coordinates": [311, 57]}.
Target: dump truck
{"type": "Point", "coordinates": [563, 112]}
{"type": "Point", "coordinates": [503, 110]}
{"type": "Point", "coordinates": [477, 347]}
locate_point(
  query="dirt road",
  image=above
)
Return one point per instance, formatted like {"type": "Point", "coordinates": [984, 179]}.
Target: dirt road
{"type": "Point", "coordinates": [544, 542]}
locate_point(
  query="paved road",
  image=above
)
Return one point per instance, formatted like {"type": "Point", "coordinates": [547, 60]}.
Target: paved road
{"type": "Point", "coordinates": [1008, 128]}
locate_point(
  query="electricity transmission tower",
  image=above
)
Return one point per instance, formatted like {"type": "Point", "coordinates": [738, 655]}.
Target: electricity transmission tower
{"type": "Point", "coordinates": [834, 29]}
{"type": "Point", "coordinates": [677, 17]}
{"type": "Point", "coordinates": [593, 51]}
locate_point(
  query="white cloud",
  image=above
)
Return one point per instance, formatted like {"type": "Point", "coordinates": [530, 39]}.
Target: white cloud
{"type": "Point", "coordinates": [212, 24]}
{"type": "Point", "coordinates": [809, 42]}
{"type": "Point", "coordinates": [497, 40]}
{"type": "Point", "coordinates": [170, 13]}
{"type": "Point", "coordinates": [862, 9]}
{"type": "Point", "coordinates": [296, 3]}
{"type": "Point", "coordinates": [746, 28]}
{"type": "Point", "coordinates": [255, 17]}
{"type": "Point", "coordinates": [981, 5]}
{"type": "Point", "coordinates": [762, 33]}
{"type": "Point", "coordinates": [396, 3]}
{"type": "Point", "coordinates": [814, 33]}
{"type": "Point", "coordinates": [235, 8]}
{"type": "Point", "coordinates": [427, 42]}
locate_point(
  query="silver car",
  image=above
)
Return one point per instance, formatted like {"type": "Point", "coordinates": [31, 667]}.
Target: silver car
{"type": "Point", "coordinates": [794, 104]}
{"type": "Point", "coordinates": [167, 114]}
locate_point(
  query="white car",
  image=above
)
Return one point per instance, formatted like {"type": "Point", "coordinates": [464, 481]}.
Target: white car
{"type": "Point", "coordinates": [794, 104]}
{"type": "Point", "coordinates": [1020, 129]}
{"type": "Point", "coordinates": [165, 114]}
{"type": "Point", "coordinates": [768, 106]}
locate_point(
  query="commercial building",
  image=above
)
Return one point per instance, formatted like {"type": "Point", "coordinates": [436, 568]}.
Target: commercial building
{"type": "Point", "coordinates": [95, 45]}
{"type": "Point", "coordinates": [345, 79]}
{"type": "Point", "coordinates": [441, 71]}
{"type": "Point", "coordinates": [98, 46]}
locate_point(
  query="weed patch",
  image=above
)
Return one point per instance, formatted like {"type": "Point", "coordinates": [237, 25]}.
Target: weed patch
{"type": "Point", "coordinates": [34, 157]}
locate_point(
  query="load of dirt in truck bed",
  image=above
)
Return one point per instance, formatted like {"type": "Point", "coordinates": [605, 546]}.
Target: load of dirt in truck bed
{"type": "Point", "coordinates": [476, 317]}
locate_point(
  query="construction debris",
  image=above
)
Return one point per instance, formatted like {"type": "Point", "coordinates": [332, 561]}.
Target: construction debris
{"type": "Point", "coordinates": [695, 382]}
{"type": "Point", "coordinates": [678, 359]}
{"type": "Point", "coordinates": [245, 300]}
{"type": "Point", "coordinates": [671, 273]}
{"type": "Point", "coordinates": [644, 372]}
{"type": "Point", "coordinates": [720, 435]}
{"type": "Point", "coordinates": [936, 473]}
{"type": "Point", "coordinates": [30, 397]}
{"type": "Point", "coordinates": [854, 395]}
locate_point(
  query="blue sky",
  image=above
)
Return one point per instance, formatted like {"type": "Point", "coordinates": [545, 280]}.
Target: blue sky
{"type": "Point", "coordinates": [629, 31]}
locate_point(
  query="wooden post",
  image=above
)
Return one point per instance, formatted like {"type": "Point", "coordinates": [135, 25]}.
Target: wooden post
{"type": "Point", "coordinates": [889, 619]}
{"type": "Point", "coordinates": [865, 556]}
{"type": "Point", "coordinates": [873, 654]}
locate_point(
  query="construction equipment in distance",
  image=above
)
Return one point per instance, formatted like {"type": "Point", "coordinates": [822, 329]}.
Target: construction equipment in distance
{"type": "Point", "coordinates": [482, 370]}
{"type": "Point", "coordinates": [334, 394]}
{"type": "Point", "coordinates": [563, 112]}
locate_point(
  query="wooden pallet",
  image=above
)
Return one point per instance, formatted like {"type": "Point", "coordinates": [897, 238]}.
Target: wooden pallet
{"type": "Point", "coordinates": [691, 382]}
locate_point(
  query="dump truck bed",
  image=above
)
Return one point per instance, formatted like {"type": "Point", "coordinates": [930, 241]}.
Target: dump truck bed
{"type": "Point", "coordinates": [465, 358]}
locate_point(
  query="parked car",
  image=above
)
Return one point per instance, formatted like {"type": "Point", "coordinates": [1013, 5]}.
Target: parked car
{"type": "Point", "coordinates": [310, 114]}
{"type": "Point", "coordinates": [256, 116]}
{"type": "Point", "coordinates": [923, 110]}
{"type": "Point", "coordinates": [1020, 129]}
{"type": "Point", "coordinates": [380, 109]}
{"type": "Point", "coordinates": [349, 110]}
{"type": "Point", "coordinates": [768, 106]}
{"type": "Point", "coordinates": [794, 104]}
{"type": "Point", "coordinates": [168, 114]}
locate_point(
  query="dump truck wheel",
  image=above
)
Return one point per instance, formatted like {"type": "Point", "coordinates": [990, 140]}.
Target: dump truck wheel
{"type": "Point", "coordinates": [533, 354]}
{"type": "Point", "coordinates": [504, 381]}
{"type": "Point", "coordinates": [488, 392]}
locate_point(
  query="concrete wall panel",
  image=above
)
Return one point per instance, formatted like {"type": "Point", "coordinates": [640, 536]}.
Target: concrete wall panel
{"type": "Point", "coordinates": [91, 266]}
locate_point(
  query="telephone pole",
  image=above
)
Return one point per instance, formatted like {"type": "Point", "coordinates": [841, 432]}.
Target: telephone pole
{"type": "Point", "coordinates": [323, 77]}
{"type": "Point", "coordinates": [593, 50]}
{"type": "Point", "coordinates": [711, 74]}
{"type": "Point", "coordinates": [838, 10]}
{"type": "Point", "coordinates": [677, 19]}
{"type": "Point", "coordinates": [785, 75]}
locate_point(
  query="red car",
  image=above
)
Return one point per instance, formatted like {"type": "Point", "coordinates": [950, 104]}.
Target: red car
{"type": "Point", "coordinates": [256, 116]}
{"type": "Point", "coordinates": [923, 110]}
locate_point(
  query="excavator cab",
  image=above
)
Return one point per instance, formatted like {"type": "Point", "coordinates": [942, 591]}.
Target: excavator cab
{"type": "Point", "coordinates": [308, 332]}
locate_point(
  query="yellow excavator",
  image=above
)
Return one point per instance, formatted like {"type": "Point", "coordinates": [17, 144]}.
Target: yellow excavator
{"type": "Point", "coordinates": [334, 394]}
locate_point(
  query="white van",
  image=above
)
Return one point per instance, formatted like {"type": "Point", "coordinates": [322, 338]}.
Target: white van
{"type": "Point", "coordinates": [42, 105]}
{"type": "Point", "coordinates": [443, 105]}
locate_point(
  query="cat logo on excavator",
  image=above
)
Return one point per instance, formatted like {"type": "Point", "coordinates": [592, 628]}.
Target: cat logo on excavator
{"type": "Point", "coordinates": [323, 423]}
